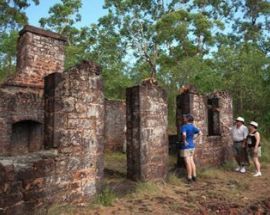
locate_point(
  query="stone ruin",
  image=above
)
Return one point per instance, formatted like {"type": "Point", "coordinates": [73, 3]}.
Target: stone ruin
{"type": "Point", "coordinates": [213, 114]}
{"type": "Point", "coordinates": [147, 139]}
{"type": "Point", "coordinates": [52, 131]}
{"type": "Point", "coordinates": [21, 97]}
{"type": "Point", "coordinates": [55, 124]}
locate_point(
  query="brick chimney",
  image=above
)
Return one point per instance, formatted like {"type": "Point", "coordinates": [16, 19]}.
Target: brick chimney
{"type": "Point", "coordinates": [39, 53]}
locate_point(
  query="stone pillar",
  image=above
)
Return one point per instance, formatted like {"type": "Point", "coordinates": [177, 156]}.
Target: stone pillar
{"type": "Point", "coordinates": [226, 122]}
{"type": "Point", "coordinates": [74, 113]}
{"type": "Point", "coordinates": [39, 53]}
{"type": "Point", "coordinates": [147, 140]}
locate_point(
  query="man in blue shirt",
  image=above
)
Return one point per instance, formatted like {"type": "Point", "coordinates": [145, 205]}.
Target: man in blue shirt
{"type": "Point", "coordinates": [188, 132]}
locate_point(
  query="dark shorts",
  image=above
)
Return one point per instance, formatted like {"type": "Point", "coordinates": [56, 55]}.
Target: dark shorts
{"type": "Point", "coordinates": [238, 149]}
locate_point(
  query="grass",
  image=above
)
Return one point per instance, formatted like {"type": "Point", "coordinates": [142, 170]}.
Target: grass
{"type": "Point", "coordinates": [147, 188]}
{"type": "Point", "coordinates": [175, 207]}
{"type": "Point", "coordinates": [173, 179]}
{"type": "Point", "coordinates": [210, 172]}
{"type": "Point", "coordinates": [228, 165]}
{"type": "Point", "coordinates": [116, 161]}
{"type": "Point", "coordinates": [105, 198]}
{"type": "Point", "coordinates": [238, 185]}
{"type": "Point", "coordinates": [217, 184]}
{"type": "Point", "coordinates": [115, 156]}
{"type": "Point", "coordinates": [62, 209]}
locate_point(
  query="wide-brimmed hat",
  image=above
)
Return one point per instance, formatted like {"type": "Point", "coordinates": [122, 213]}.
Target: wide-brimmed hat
{"type": "Point", "coordinates": [253, 123]}
{"type": "Point", "coordinates": [240, 119]}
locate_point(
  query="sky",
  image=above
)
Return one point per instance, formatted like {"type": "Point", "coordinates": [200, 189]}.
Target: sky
{"type": "Point", "coordinates": [91, 11]}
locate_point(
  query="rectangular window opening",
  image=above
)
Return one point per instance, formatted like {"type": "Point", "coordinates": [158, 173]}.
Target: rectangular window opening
{"type": "Point", "coordinates": [213, 117]}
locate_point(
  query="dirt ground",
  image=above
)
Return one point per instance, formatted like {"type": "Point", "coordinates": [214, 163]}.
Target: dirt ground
{"type": "Point", "coordinates": [217, 191]}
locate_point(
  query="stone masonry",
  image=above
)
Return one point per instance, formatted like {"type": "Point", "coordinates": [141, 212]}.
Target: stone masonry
{"type": "Point", "coordinates": [21, 96]}
{"type": "Point", "coordinates": [147, 141]}
{"type": "Point", "coordinates": [66, 165]}
{"type": "Point", "coordinates": [115, 125]}
{"type": "Point", "coordinates": [74, 116]}
{"type": "Point", "coordinates": [213, 114]}
{"type": "Point", "coordinates": [21, 121]}
{"type": "Point", "coordinates": [40, 53]}
{"type": "Point", "coordinates": [52, 136]}
{"type": "Point", "coordinates": [71, 169]}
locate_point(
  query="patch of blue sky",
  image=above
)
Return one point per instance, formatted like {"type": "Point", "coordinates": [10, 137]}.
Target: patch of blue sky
{"type": "Point", "coordinates": [90, 11]}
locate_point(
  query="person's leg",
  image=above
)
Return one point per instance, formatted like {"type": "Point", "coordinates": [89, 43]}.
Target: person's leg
{"type": "Point", "coordinates": [237, 156]}
{"type": "Point", "coordinates": [193, 168]}
{"type": "Point", "coordinates": [255, 159]}
{"type": "Point", "coordinates": [247, 162]}
{"type": "Point", "coordinates": [237, 159]}
{"type": "Point", "coordinates": [189, 167]}
{"type": "Point", "coordinates": [242, 159]}
{"type": "Point", "coordinates": [257, 164]}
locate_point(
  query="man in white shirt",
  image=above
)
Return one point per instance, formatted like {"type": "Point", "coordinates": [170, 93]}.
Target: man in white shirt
{"type": "Point", "coordinates": [239, 135]}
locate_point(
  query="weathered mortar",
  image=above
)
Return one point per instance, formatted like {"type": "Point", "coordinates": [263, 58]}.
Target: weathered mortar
{"type": "Point", "coordinates": [72, 169]}
{"type": "Point", "coordinates": [147, 140]}
{"type": "Point", "coordinates": [29, 182]}
{"type": "Point", "coordinates": [39, 53]}
{"type": "Point", "coordinates": [15, 106]}
{"type": "Point", "coordinates": [214, 150]}
{"type": "Point", "coordinates": [74, 115]}
{"type": "Point", "coordinates": [21, 96]}
{"type": "Point", "coordinates": [115, 125]}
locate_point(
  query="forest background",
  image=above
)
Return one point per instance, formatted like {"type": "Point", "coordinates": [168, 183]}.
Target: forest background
{"type": "Point", "coordinates": [211, 44]}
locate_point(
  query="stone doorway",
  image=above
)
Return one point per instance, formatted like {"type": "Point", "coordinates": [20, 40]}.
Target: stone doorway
{"type": "Point", "coordinates": [27, 136]}
{"type": "Point", "coordinates": [182, 107]}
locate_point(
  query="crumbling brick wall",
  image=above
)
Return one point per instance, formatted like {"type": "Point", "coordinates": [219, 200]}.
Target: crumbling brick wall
{"type": "Point", "coordinates": [71, 170]}
{"type": "Point", "coordinates": [115, 124]}
{"type": "Point", "coordinates": [214, 148]}
{"type": "Point", "coordinates": [39, 53]}
{"type": "Point", "coordinates": [147, 140]}
{"type": "Point", "coordinates": [28, 183]}
{"type": "Point", "coordinates": [21, 121]}
{"type": "Point", "coordinates": [75, 124]}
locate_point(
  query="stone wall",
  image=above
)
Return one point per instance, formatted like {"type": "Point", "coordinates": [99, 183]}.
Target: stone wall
{"type": "Point", "coordinates": [39, 53]}
{"type": "Point", "coordinates": [71, 170]}
{"type": "Point", "coordinates": [21, 121]}
{"type": "Point", "coordinates": [74, 125]}
{"type": "Point", "coordinates": [115, 125]}
{"type": "Point", "coordinates": [211, 149]}
{"type": "Point", "coordinates": [28, 183]}
{"type": "Point", "coordinates": [147, 140]}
